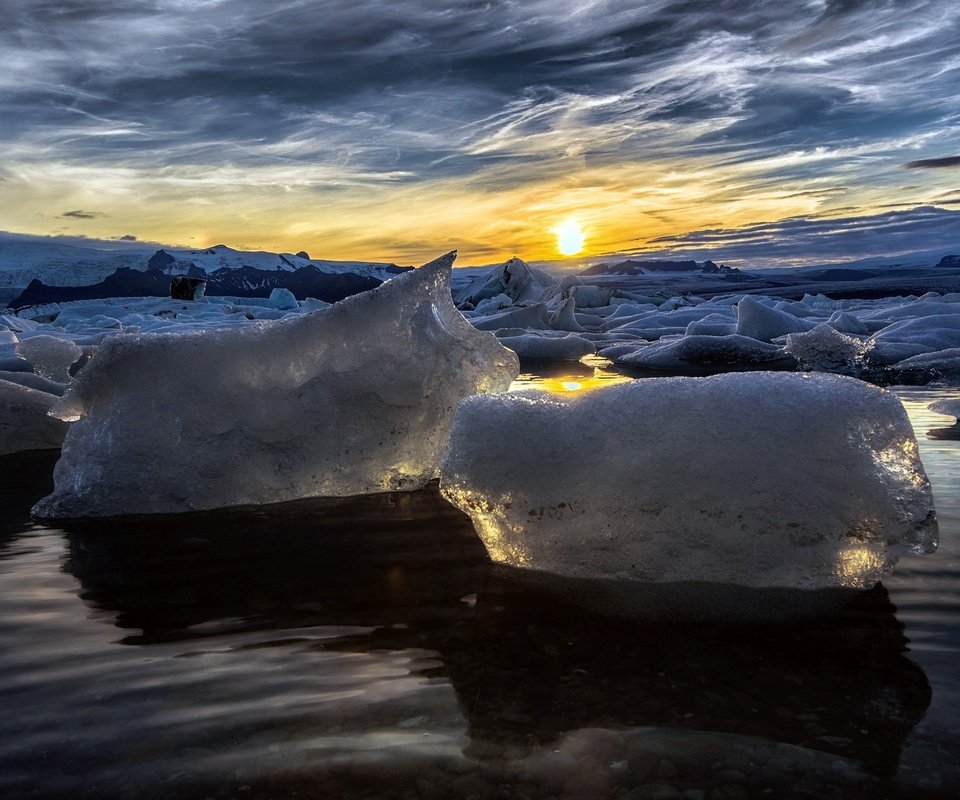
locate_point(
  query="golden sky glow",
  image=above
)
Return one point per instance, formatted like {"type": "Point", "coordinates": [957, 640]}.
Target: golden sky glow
{"type": "Point", "coordinates": [263, 208]}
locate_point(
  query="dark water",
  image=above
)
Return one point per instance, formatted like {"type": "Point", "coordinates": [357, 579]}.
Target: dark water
{"type": "Point", "coordinates": [366, 648]}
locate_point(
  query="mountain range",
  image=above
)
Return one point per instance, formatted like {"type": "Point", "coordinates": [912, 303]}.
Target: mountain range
{"type": "Point", "coordinates": [648, 267]}
{"type": "Point", "coordinates": [41, 272]}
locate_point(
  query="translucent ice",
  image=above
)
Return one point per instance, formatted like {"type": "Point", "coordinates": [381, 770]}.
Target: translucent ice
{"type": "Point", "coordinates": [357, 398]}
{"type": "Point", "coordinates": [50, 356]}
{"type": "Point", "coordinates": [762, 480]}
{"type": "Point", "coordinates": [826, 349]}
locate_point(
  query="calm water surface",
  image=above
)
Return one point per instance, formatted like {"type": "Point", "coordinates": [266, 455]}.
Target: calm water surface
{"type": "Point", "coordinates": [366, 648]}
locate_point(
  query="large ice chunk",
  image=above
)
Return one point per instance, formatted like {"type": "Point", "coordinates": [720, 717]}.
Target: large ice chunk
{"type": "Point", "coordinates": [357, 398]}
{"type": "Point", "coordinates": [761, 480]}
{"type": "Point", "coordinates": [516, 279]}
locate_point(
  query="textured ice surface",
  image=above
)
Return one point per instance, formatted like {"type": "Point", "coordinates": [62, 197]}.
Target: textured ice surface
{"type": "Point", "coordinates": [942, 362]}
{"type": "Point", "coordinates": [950, 408]}
{"type": "Point", "coordinates": [34, 381]}
{"type": "Point", "coordinates": [759, 321]}
{"type": "Point", "coordinates": [702, 351]}
{"type": "Point", "coordinates": [535, 317]}
{"type": "Point", "coordinates": [515, 279]}
{"type": "Point", "coordinates": [935, 332]}
{"type": "Point", "coordinates": [50, 356]}
{"type": "Point", "coordinates": [549, 348]}
{"type": "Point", "coordinates": [826, 349]}
{"type": "Point", "coordinates": [801, 481]}
{"type": "Point", "coordinates": [356, 398]}
{"type": "Point", "coordinates": [24, 421]}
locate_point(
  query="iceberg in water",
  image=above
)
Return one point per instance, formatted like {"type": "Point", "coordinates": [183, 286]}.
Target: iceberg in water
{"type": "Point", "coordinates": [760, 480]}
{"type": "Point", "coordinates": [353, 399]}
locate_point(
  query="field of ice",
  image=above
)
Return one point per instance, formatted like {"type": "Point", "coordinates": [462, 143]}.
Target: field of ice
{"type": "Point", "coordinates": [164, 406]}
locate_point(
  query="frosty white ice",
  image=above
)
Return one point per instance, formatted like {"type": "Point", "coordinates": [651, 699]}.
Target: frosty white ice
{"type": "Point", "coordinates": [352, 399]}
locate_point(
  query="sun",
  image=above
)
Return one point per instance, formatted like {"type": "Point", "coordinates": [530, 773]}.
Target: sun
{"type": "Point", "coordinates": [569, 238]}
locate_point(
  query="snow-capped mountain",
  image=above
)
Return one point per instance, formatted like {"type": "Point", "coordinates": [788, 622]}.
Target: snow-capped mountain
{"type": "Point", "coordinates": [648, 267]}
{"type": "Point", "coordinates": [213, 259]}
{"type": "Point", "coordinates": [22, 261]}
{"type": "Point", "coordinates": [53, 264]}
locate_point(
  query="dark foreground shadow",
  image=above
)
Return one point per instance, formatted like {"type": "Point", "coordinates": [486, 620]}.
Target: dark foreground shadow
{"type": "Point", "coordinates": [24, 479]}
{"type": "Point", "coordinates": [529, 663]}
{"type": "Point", "coordinates": [840, 684]}
{"type": "Point", "coordinates": [375, 560]}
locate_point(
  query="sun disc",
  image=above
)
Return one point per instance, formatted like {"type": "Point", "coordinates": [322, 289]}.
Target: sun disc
{"type": "Point", "coordinates": [569, 238]}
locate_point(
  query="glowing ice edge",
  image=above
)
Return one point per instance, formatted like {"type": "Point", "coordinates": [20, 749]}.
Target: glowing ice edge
{"type": "Point", "coordinates": [766, 480]}
{"type": "Point", "coordinates": [353, 399]}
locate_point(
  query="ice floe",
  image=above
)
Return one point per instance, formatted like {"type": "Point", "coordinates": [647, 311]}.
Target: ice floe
{"type": "Point", "coordinates": [762, 480]}
{"type": "Point", "coordinates": [353, 399]}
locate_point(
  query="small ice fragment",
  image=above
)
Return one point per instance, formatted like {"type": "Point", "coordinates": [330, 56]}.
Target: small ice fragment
{"type": "Point", "coordinates": [827, 349]}
{"type": "Point", "coordinates": [50, 356]}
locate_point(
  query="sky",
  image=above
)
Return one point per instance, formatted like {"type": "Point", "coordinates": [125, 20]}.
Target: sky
{"type": "Point", "coordinates": [396, 130]}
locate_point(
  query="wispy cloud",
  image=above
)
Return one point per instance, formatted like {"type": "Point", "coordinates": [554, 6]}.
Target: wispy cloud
{"type": "Point", "coordinates": [808, 104]}
{"type": "Point", "coordinates": [819, 239]}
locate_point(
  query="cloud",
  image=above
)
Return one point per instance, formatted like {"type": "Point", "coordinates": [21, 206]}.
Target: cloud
{"type": "Point", "coordinates": [363, 97]}
{"type": "Point", "coordinates": [80, 215]}
{"type": "Point", "coordinates": [812, 240]}
{"type": "Point", "coordinates": [934, 163]}
{"type": "Point", "coordinates": [89, 242]}
{"type": "Point", "coordinates": [127, 237]}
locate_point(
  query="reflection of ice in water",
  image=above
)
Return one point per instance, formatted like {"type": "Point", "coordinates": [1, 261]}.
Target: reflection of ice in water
{"type": "Point", "coordinates": [925, 593]}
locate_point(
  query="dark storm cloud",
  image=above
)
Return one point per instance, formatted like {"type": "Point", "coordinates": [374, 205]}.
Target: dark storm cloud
{"type": "Point", "coordinates": [934, 163]}
{"type": "Point", "coordinates": [818, 239]}
{"type": "Point", "coordinates": [436, 90]}
{"type": "Point", "coordinates": [79, 215]}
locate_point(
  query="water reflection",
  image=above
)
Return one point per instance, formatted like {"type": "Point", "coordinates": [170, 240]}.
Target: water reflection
{"type": "Point", "coordinates": [367, 649]}
{"type": "Point", "coordinates": [24, 475]}
{"type": "Point", "coordinates": [951, 433]}
{"type": "Point", "coordinates": [378, 560]}
{"type": "Point", "coordinates": [393, 573]}
{"type": "Point", "coordinates": [593, 372]}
